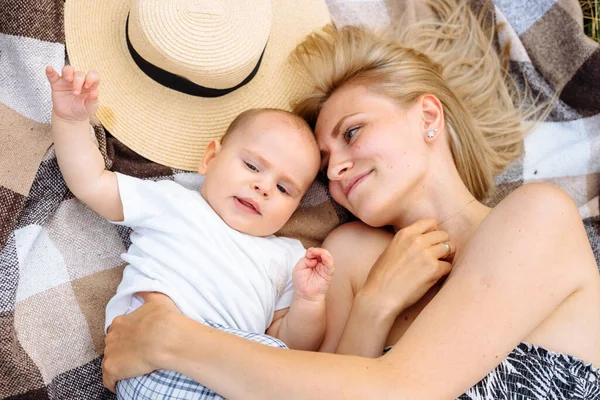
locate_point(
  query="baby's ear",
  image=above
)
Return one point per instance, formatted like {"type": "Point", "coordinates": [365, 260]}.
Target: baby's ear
{"type": "Point", "coordinates": [213, 148]}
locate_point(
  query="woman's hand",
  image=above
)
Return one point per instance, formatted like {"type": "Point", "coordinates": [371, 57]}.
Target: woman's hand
{"type": "Point", "coordinates": [411, 264]}
{"type": "Point", "coordinates": [406, 269]}
{"type": "Point", "coordinates": [136, 340]}
{"type": "Point", "coordinates": [74, 94]}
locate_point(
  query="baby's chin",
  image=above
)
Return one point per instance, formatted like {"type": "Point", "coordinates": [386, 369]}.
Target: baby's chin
{"type": "Point", "coordinates": [252, 228]}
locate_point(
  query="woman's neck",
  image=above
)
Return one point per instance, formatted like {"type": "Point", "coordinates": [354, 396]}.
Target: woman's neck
{"type": "Point", "coordinates": [443, 196]}
{"type": "Point", "coordinates": [461, 226]}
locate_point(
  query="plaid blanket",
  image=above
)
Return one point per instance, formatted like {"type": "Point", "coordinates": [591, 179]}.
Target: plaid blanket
{"type": "Point", "coordinates": [59, 262]}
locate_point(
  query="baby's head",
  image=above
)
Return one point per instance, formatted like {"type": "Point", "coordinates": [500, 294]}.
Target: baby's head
{"type": "Point", "coordinates": [257, 174]}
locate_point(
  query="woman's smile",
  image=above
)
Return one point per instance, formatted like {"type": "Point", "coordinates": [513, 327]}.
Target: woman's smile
{"type": "Point", "coordinates": [354, 182]}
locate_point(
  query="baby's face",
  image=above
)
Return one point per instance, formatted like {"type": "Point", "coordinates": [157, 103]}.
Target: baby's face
{"type": "Point", "coordinates": [256, 179]}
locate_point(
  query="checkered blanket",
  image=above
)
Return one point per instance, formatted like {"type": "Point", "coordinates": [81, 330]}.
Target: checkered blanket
{"type": "Point", "coordinates": [59, 262]}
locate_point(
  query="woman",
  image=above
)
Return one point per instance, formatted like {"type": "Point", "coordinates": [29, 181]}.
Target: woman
{"type": "Point", "coordinates": [412, 142]}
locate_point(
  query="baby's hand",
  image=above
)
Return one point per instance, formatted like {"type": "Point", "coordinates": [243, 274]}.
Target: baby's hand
{"type": "Point", "coordinates": [313, 273]}
{"type": "Point", "coordinates": [74, 94]}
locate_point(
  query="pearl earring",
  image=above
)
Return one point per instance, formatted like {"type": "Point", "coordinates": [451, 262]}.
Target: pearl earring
{"type": "Point", "coordinates": [431, 132]}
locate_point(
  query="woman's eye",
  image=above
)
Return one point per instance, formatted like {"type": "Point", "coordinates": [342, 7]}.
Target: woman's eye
{"type": "Point", "coordinates": [251, 167]}
{"type": "Point", "coordinates": [349, 134]}
{"type": "Point", "coordinates": [282, 189]}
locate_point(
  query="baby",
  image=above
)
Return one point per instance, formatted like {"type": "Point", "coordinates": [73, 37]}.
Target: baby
{"type": "Point", "coordinates": [213, 253]}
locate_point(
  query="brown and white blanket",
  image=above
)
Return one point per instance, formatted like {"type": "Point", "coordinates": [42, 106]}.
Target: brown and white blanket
{"type": "Point", "coordinates": [59, 262]}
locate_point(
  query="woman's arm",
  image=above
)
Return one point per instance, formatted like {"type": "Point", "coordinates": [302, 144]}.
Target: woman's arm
{"type": "Point", "coordinates": [157, 336]}
{"type": "Point", "coordinates": [528, 256]}
{"type": "Point", "coordinates": [510, 278]}
{"type": "Point", "coordinates": [361, 315]}
{"type": "Point", "coordinates": [240, 369]}
{"type": "Point", "coordinates": [351, 273]}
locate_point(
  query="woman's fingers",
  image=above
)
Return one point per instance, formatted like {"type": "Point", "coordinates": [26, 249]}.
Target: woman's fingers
{"type": "Point", "coordinates": [434, 237]}
{"type": "Point", "coordinates": [108, 380]}
{"type": "Point", "coordinates": [444, 268]}
{"type": "Point", "coordinates": [147, 296]}
{"type": "Point", "coordinates": [443, 250]}
{"type": "Point", "coordinates": [421, 226]}
{"type": "Point", "coordinates": [157, 297]}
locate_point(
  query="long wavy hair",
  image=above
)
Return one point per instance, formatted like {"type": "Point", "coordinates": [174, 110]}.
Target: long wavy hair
{"type": "Point", "coordinates": [452, 57]}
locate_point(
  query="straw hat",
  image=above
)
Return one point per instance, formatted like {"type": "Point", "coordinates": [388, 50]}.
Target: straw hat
{"type": "Point", "coordinates": [174, 74]}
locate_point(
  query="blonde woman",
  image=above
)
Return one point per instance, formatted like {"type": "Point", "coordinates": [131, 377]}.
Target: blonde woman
{"type": "Point", "coordinates": [411, 132]}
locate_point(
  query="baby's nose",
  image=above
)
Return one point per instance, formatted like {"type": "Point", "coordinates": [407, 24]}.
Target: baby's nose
{"type": "Point", "coordinates": [262, 192]}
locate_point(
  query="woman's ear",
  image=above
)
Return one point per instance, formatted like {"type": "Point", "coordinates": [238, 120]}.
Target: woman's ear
{"type": "Point", "coordinates": [213, 148]}
{"type": "Point", "coordinates": [432, 114]}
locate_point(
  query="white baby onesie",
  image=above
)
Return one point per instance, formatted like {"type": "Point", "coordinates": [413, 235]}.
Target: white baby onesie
{"type": "Point", "coordinates": [182, 248]}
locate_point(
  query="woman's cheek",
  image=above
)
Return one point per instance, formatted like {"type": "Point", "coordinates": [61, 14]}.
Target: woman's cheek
{"type": "Point", "coordinates": [335, 189]}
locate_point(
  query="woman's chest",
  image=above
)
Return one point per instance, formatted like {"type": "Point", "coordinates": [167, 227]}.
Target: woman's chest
{"type": "Point", "coordinates": [407, 317]}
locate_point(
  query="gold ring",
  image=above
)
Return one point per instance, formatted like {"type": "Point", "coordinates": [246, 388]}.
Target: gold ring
{"type": "Point", "coordinates": [448, 249]}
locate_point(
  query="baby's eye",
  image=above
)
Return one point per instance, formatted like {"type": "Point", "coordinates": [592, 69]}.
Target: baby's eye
{"type": "Point", "coordinates": [251, 167]}
{"type": "Point", "coordinates": [282, 189]}
{"type": "Point", "coordinates": [349, 134]}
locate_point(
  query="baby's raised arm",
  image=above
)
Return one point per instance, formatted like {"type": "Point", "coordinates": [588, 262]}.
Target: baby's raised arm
{"type": "Point", "coordinates": [302, 325]}
{"type": "Point", "coordinates": [74, 100]}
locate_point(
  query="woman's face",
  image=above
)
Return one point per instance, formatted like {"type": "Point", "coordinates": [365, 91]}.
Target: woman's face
{"type": "Point", "coordinates": [373, 151]}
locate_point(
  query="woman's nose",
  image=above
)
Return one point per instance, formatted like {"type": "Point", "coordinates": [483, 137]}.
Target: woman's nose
{"type": "Point", "coordinates": [338, 168]}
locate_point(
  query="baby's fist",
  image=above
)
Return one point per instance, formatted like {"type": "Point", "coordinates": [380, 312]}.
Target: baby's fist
{"type": "Point", "coordinates": [318, 256]}
{"type": "Point", "coordinates": [313, 274]}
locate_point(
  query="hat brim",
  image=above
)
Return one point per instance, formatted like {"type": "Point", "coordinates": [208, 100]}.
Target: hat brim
{"type": "Point", "coordinates": [161, 124]}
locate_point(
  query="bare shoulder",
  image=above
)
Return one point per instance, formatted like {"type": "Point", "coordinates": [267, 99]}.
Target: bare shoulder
{"type": "Point", "coordinates": [356, 237]}
{"type": "Point", "coordinates": [534, 230]}
{"type": "Point", "coordinates": [540, 200]}
{"type": "Point", "coordinates": [358, 231]}
{"type": "Point", "coordinates": [355, 247]}
{"type": "Point", "coordinates": [542, 212]}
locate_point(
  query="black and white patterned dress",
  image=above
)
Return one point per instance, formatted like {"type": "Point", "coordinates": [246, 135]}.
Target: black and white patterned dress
{"type": "Point", "coordinates": [534, 373]}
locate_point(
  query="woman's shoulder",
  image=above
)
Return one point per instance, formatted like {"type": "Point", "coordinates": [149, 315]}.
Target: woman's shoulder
{"type": "Point", "coordinates": [543, 196]}
{"type": "Point", "coordinates": [357, 233]}
{"type": "Point", "coordinates": [537, 228]}
{"type": "Point", "coordinates": [356, 245]}
{"type": "Point", "coordinates": [538, 205]}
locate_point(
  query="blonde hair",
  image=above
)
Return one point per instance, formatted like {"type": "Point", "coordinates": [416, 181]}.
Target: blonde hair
{"type": "Point", "coordinates": [452, 57]}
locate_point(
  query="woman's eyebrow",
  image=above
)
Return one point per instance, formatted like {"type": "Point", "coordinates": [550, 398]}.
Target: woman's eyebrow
{"type": "Point", "coordinates": [336, 129]}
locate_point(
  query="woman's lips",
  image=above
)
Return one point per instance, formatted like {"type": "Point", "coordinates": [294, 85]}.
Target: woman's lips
{"type": "Point", "coordinates": [354, 182]}
{"type": "Point", "coordinates": [246, 205]}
